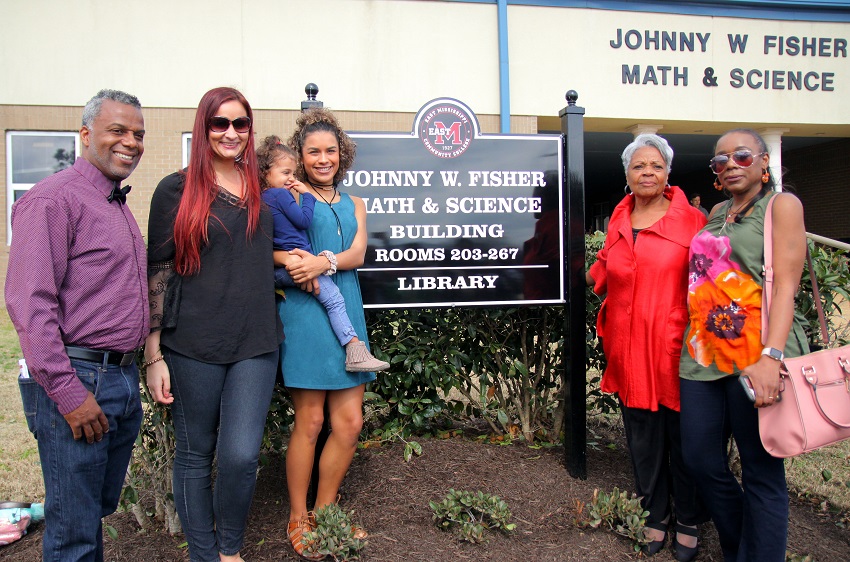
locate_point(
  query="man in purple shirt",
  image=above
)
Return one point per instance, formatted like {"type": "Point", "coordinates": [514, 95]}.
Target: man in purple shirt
{"type": "Point", "coordinates": [76, 290]}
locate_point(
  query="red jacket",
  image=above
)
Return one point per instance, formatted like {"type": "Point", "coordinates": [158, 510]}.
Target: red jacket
{"type": "Point", "coordinates": [642, 321]}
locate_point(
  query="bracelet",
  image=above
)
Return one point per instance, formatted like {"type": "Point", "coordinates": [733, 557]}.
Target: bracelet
{"type": "Point", "coordinates": [331, 257]}
{"type": "Point", "coordinates": [152, 361]}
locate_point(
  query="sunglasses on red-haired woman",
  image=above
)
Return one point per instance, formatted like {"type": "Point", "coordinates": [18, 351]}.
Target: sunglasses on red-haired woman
{"type": "Point", "coordinates": [219, 124]}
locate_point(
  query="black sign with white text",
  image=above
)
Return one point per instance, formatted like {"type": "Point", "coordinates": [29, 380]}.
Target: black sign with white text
{"type": "Point", "coordinates": [456, 217]}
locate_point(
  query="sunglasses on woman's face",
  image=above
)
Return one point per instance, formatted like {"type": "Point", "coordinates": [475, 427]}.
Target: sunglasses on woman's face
{"type": "Point", "coordinates": [743, 158]}
{"type": "Point", "coordinates": [220, 124]}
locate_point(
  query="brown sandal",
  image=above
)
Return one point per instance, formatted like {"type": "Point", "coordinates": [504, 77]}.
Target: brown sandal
{"type": "Point", "coordinates": [296, 530]}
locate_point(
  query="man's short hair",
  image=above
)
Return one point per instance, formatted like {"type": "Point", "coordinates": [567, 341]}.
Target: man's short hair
{"type": "Point", "coordinates": [92, 108]}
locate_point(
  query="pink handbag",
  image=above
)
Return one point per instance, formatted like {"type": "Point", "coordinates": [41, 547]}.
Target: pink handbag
{"type": "Point", "coordinates": [814, 410]}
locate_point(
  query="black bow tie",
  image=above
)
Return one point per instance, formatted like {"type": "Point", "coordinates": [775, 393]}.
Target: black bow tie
{"type": "Point", "coordinates": [119, 194]}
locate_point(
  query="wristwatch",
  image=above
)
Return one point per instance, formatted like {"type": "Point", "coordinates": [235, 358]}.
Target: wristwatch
{"type": "Point", "coordinates": [773, 353]}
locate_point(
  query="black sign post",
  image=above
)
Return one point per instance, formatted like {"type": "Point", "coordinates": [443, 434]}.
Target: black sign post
{"type": "Point", "coordinates": [575, 382]}
{"type": "Point", "coordinates": [312, 91]}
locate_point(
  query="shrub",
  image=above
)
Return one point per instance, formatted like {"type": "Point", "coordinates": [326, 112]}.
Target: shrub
{"type": "Point", "coordinates": [620, 512]}
{"type": "Point", "coordinates": [513, 378]}
{"type": "Point", "coordinates": [424, 357]}
{"type": "Point", "coordinates": [504, 363]}
{"type": "Point", "coordinates": [333, 535]}
{"type": "Point", "coordinates": [280, 418]}
{"type": "Point", "coordinates": [149, 473]}
{"type": "Point", "coordinates": [472, 513]}
{"type": "Point", "coordinates": [832, 270]}
{"type": "Point", "coordinates": [597, 401]}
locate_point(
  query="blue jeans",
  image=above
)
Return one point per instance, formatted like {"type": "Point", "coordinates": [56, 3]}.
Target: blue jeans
{"type": "Point", "coordinates": [330, 297]}
{"type": "Point", "coordinates": [752, 522]}
{"type": "Point", "coordinates": [219, 412]}
{"type": "Point", "coordinates": [82, 481]}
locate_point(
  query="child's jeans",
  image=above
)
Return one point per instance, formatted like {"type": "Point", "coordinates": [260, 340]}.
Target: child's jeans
{"type": "Point", "coordinates": [330, 297]}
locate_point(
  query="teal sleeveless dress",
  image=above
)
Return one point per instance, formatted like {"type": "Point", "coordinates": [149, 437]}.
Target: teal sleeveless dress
{"type": "Point", "coordinates": [724, 299]}
{"type": "Point", "coordinates": [311, 356]}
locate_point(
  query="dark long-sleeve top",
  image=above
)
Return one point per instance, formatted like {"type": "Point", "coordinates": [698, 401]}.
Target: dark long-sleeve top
{"type": "Point", "coordinates": [77, 276]}
{"type": "Point", "coordinates": [642, 321]}
{"type": "Point", "coordinates": [291, 220]}
{"type": "Point", "coordinates": [226, 312]}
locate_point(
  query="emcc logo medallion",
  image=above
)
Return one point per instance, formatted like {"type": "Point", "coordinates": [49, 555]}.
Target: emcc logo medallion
{"type": "Point", "coordinates": [446, 130]}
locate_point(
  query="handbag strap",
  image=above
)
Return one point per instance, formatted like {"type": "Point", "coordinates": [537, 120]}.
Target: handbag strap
{"type": "Point", "coordinates": [820, 408]}
{"type": "Point", "coordinates": [768, 278]}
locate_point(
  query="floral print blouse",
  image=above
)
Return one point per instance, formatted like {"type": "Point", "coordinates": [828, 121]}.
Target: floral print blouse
{"type": "Point", "coordinates": [723, 335]}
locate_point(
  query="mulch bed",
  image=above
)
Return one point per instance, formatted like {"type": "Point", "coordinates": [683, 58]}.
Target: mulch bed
{"type": "Point", "coordinates": [390, 498]}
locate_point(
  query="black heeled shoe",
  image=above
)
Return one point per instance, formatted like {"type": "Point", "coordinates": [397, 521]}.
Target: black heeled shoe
{"type": "Point", "coordinates": [685, 553]}
{"type": "Point", "coordinates": [654, 547]}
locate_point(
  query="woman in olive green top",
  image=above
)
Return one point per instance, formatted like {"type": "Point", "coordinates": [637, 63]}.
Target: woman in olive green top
{"type": "Point", "coordinates": [724, 340]}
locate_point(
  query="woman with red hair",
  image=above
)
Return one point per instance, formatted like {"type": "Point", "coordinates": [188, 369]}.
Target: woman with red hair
{"type": "Point", "coordinates": [213, 349]}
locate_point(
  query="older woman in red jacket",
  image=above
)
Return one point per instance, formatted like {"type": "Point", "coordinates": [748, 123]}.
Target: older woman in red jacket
{"type": "Point", "coordinates": [643, 269]}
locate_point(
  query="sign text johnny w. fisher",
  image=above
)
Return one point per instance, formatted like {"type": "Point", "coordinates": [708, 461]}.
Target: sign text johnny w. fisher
{"type": "Point", "coordinates": [456, 217]}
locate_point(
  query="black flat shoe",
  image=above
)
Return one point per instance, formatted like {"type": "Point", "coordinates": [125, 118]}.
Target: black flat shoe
{"type": "Point", "coordinates": [685, 553]}
{"type": "Point", "coordinates": [654, 547]}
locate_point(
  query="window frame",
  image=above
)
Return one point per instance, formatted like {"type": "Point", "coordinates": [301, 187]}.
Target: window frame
{"type": "Point", "coordinates": [12, 187]}
{"type": "Point", "coordinates": [186, 145]}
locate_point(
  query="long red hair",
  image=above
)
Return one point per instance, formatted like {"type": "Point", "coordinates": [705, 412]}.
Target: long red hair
{"type": "Point", "coordinates": [200, 189]}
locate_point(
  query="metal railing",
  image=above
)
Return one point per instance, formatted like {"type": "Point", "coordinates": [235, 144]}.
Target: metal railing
{"type": "Point", "coordinates": [828, 241]}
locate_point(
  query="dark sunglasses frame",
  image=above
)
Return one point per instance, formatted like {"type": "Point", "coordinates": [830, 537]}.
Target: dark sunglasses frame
{"type": "Point", "coordinates": [743, 158]}
{"type": "Point", "coordinates": [219, 124]}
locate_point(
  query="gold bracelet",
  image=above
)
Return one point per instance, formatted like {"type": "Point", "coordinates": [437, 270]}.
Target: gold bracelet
{"type": "Point", "coordinates": [152, 361]}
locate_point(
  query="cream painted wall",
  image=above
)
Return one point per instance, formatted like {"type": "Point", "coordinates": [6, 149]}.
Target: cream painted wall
{"type": "Point", "coordinates": [573, 45]}
{"type": "Point", "coordinates": [395, 55]}
{"type": "Point", "coordinates": [364, 54]}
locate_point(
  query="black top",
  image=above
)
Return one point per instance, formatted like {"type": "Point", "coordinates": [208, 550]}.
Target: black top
{"type": "Point", "coordinates": [635, 232]}
{"type": "Point", "coordinates": [226, 312]}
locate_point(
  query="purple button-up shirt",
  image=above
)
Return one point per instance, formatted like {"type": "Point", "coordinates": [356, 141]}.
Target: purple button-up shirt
{"type": "Point", "coordinates": [77, 276]}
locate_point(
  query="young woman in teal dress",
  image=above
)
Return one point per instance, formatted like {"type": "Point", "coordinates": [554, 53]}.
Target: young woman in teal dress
{"type": "Point", "coordinates": [313, 362]}
{"type": "Point", "coordinates": [724, 340]}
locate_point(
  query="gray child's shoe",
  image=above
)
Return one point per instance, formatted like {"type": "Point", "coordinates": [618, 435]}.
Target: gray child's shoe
{"type": "Point", "coordinates": [358, 359]}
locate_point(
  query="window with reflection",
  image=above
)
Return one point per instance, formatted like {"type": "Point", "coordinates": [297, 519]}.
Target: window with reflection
{"type": "Point", "coordinates": [31, 156]}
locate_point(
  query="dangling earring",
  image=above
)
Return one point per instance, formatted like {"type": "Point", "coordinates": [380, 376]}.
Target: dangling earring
{"type": "Point", "coordinates": [765, 177]}
{"type": "Point", "coordinates": [627, 190]}
{"type": "Point", "coordinates": [668, 191]}
{"type": "Point", "coordinates": [717, 185]}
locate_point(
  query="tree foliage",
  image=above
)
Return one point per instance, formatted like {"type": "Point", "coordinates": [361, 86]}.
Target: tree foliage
{"type": "Point", "coordinates": [832, 272]}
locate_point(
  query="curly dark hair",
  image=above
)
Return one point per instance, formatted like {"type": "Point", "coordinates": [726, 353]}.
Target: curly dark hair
{"type": "Point", "coordinates": [321, 119]}
{"type": "Point", "coordinates": [268, 152]}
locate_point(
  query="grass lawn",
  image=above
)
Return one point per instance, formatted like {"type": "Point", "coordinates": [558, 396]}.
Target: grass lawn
{"type": "Point", "coordinates": [20, 471]}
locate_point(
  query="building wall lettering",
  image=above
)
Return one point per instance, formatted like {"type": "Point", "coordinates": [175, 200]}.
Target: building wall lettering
{"type": "Point", "coordinates": [754, 78]}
